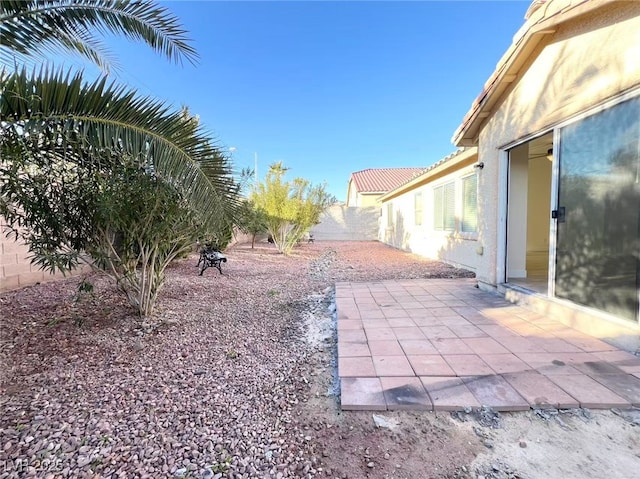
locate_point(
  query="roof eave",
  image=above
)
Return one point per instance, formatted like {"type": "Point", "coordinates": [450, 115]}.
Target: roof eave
{"type": "Point", "coordinates": [441, 167]}
{"type": "Point", "coordinates": [509, 68]}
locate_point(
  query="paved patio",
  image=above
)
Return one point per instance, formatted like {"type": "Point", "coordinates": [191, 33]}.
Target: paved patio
{"type": "Point", "coordinates": [438, 344]}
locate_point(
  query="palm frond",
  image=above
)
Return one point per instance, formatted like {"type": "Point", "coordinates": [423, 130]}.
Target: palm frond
{"type": "Point", "coordinates": [36, 27]}
{"type": "Point", "coordinates": [100, 121]}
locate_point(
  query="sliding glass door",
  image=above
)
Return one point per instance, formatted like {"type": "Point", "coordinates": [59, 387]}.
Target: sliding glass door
{"type": "Point", "coordinates": [598, 211]}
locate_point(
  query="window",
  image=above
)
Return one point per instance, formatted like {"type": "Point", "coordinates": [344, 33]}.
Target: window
{"type": "Point", "coordinates": [389, 215]}
{"type": "Point", "coordinates": [417, 205]}
{"type": "Point", "coordinates": [444, 218]}
{"type": "Point", "coordinates": [470, 204]}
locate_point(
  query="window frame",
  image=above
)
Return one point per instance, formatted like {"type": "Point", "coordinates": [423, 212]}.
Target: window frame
{"type": "Point", "coordinates": [463, 204]}
{"type": "Point", "coordinates": [447, 205]}
{"type": "Point", "coordinates": [418, 208]}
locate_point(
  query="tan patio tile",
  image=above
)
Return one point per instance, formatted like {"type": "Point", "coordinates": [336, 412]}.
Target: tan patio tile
{"type": "Point", "coordinates": [448, 393]}
{"type": "Point", "coordinates": [401, 322]}
{"type": "Point", "coordinates": [577, 358]}
{"type": "Point", "coordinates": [519, 345]}
{"type": "Point", "coordinates": [417, 346]}
{"type": "Point", "coordinates": [375, 323]}
{"type": "Point", "coordinates": [445, 312]}
{"type": "Point", "coordinates": [409, 333]}
{"type": "Point", "coordinates": [425, 320]}
{"type": "Point", "coordinates": [374, 334]}
{"type": "Point", "coordinates": [430, 365]}
{"type": "Point", "coordinates": [392, 366]}
{"type": "Point", "coordinates": [505, 363]}
{"type": "Point", "coordinates": [589, 392]}
{"type": "Point", "coordinates": [496, 393]}
{"type": "Point", "coordinates": [547, 363]}
{"type": "Point", "coordinates": [623, 359]}
{"type": "Point", "coordinates": [345, 302]}
{"type": "Point", "coordinates": [352, 335]}
{"type": "Point", "coordinates": [395, 313]}
{"type": "Point", "coordinates": [454, 321]}
{"type": "Point", "coordinates": [501, 312]}
{"type": "Point", "coordinates": [465, 331]}
{"type": "Point", "coordinates": [347, 313]}
{"type": "Point", "coordinates": [428, 300]}
{"type": "Point", "coordinates": [597, 368]}
{"type": "Point", "coordinates": [361, 394]}
{"type": "Point", "coordinates": [445, 297]}
{"type": "Point", "coordinates": [527, 329]}
{"type": "Point", "coordinates": [540, 391]}
{"type": "Point", "coordinates": [485, 346]}
{"type": "Point", "coordinates": [534, 317]}
{"type": "Point", "coordinates": [590, 344]}
{"type": "Point", "coordinates": [366, 308]}
{"type": "Point", "coordinates": [346, 324]}
{"type": "Point", "coordinates": [624, 385]}
{"type": "Point", "coordinates": [386, 347]}
{"type": "Point", "coordinates": [348, 349]}
{"type": "Point", "coordinates": [555, 345]}
{"type": "Point", "coordinates": [360, 367]}
{"type": "Point", "coordinates": [467, 311]}
{"type": "Point", "coordinates": [497, 331]}
{"type": "Point", "coordinates": [405, 393]}
{"type": "Point", "coordinates": [451, 346]}
{"type": "Point", "coordinates": [373, 314]}
{"type": "Point", "coordinates": [467, 364]}
{"type": "Point", "coordinates": [412, 305]}
{"type": "Point", "coordinates": [423, 297]}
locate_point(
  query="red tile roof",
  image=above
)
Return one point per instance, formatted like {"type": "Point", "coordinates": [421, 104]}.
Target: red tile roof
{"type": "Point", "coordinates": [381, 180]}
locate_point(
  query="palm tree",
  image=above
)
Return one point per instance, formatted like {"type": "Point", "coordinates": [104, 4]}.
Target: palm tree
{"type": "Point", "coordinates": [50, 115]}
{"type": "Point", "coordinates": [35, 28]}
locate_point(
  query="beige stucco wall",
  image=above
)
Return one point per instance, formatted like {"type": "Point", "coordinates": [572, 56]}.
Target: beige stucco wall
{"type": "Point", "coordinates": [346, 223]}
{"type": "Point", "coordinates": [459, 249]}
{"type": "Point", "coordinates": [587, 62]}
{"type": "Point", "coordinates": [366, 201]}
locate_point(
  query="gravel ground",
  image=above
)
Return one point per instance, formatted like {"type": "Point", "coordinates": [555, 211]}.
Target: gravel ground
{"type": "Point", "coordinates": [233, 377]}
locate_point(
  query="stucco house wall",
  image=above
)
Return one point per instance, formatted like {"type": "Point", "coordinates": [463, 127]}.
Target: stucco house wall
{"type": "Point", "coordinates": [402, 231]}
{"type": "Point", "coordinates": [584, 63]}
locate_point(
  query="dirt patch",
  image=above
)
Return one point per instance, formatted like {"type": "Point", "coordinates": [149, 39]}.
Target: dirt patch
{"type": "Point", "coordinates": [235, 377]}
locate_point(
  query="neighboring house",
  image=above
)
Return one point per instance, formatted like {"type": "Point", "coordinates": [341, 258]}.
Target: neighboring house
{"type": "Point", "coordinates": [367, 186]}
{"type": "Point", "coordinates": [434, 214]}
{"type": "Point", "coordinates": [557, 127]}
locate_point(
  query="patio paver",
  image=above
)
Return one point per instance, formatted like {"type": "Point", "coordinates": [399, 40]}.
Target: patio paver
{"type": "Point", "coordinates": [405, 393]}
{"type": "Point", "coordinates": [444, 345]}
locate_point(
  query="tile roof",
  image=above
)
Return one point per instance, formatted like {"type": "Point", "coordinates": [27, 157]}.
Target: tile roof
{"type": "Point", "coordinates": [424, 171]}
{"type": "Point", "coordinates": [381, 180]}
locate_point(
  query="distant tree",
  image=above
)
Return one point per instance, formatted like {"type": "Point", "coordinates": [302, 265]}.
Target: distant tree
{"type": "Point", "coordinates": [253, 220]}
{"type": "Point", "coordinates": [292, 207]}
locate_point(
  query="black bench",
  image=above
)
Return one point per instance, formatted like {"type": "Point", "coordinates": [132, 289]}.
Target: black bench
{"type": "Point", "coordinates": [211, 257]}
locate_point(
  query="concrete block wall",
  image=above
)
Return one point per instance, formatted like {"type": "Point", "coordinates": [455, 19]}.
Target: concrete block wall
{"type": "Point", "coordinates": [348, 223]}
{"type": "Point", "coordinates": [16, 270]}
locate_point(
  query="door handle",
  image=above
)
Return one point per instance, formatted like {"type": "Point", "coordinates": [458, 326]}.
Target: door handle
{"type": "Point", "coordinates": [559, 214]}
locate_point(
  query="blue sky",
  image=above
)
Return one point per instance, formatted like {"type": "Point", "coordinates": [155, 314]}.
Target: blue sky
{"type": "Point", "coordinates": [330, 88]}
